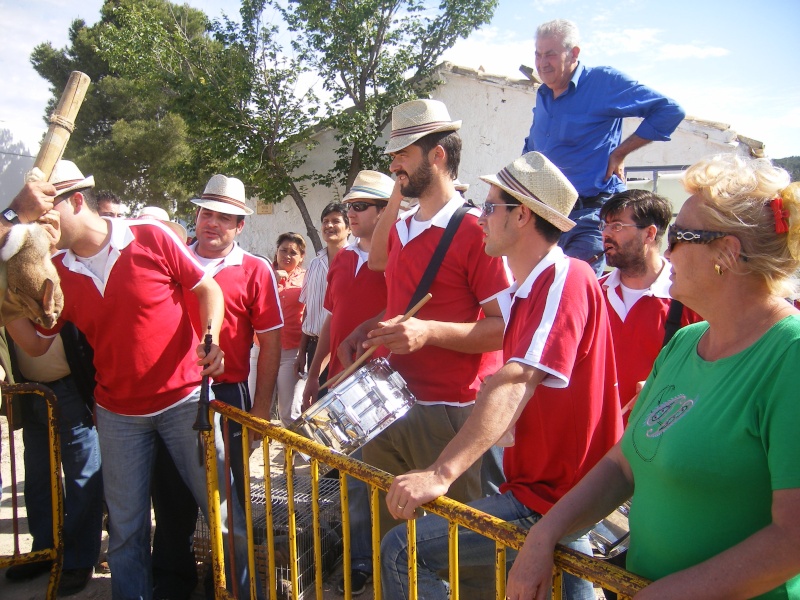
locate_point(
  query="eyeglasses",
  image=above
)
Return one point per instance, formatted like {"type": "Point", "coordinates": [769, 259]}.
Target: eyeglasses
{"type": "Point", "coordinates": [616, 226]}
{"type": "Point", "coordinates": [362, 206]}
{"type": "Point", "coordinates": [488, 207]}
{"type": "Point", "coordinates": [692, 236]}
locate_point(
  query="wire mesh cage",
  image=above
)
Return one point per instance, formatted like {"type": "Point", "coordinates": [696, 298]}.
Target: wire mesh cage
{"type": "Point", "coordinates": [330, 532]}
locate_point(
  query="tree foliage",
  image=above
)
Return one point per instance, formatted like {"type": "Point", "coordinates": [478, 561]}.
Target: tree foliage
{"type": "Point", "coordinates": [125, 134]}
{"type": "Point", "coordinates": [373, 55]}
{"type": "Point", "coordinates": [178, 97]}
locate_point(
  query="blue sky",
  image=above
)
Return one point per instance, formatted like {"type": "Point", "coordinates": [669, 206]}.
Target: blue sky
{"type": "Point", "coordinates": [730, 61]}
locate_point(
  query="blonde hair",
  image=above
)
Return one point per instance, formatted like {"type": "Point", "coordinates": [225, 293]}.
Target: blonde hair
{"type": "Point", "coordinates": [737, 193]}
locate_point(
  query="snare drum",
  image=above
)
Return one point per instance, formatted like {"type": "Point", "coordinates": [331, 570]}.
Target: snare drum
{"type": "Point", "coordinates": [357, 409]}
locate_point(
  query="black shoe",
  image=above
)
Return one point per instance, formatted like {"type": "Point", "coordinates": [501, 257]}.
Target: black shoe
{"type": "Point", "coordinates": [74, 580]}
{"type": "Point", "coordinates": [358, 582]}
{"type": "Point", "coordinates": [28, 570]}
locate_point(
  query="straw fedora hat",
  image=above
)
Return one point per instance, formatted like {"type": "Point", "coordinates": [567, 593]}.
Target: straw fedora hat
{"type": "Point", "coordinates": [370, 185]}
{"type": "Point", "coordinates": [415, 119]}
{"type": "Point", "coordinates": [460, 187]}
{"type": "Point", "coordinates": [225, 195]}
{"type": "Point", "coordinates": [67, 178]}
{"type": "Point", "coordinates": [159, 214]}
{"type": "Point", "coordinates": [538, 184]}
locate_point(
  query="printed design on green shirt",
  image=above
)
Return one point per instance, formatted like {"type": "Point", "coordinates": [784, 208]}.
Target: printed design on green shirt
{"type": "Point", "coordinates": [655, 422]}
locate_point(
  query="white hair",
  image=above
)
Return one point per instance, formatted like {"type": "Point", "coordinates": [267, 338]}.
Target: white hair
{"type": "Point", "coordinates": [564, 30]}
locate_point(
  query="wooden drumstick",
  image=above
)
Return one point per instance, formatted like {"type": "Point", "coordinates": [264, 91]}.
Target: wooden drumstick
{"type": "Point", "coordinates": [333, 381]}
{"type": "Point", "coordinates": [62, 122]}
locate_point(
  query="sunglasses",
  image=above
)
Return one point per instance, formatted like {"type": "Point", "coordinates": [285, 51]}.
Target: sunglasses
{"type": "Point", "coordinates": [691, 236]}
{"type": "Point", "coordinates": [489, 207]}
{"type": "Point", "coordinates": [362, 206]}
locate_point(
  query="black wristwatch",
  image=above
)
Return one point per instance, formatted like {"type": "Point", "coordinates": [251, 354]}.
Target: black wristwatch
{"type": "Point", "coordinates": [11, 216]}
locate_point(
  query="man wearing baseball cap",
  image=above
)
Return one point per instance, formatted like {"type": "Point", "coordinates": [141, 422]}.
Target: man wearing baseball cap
{"type": "Point", "coordinates": [251, 307]}
{"type": "Point", "coordinates": [438, 352]}
{"type": "Point", "coordinates": [554, 401]}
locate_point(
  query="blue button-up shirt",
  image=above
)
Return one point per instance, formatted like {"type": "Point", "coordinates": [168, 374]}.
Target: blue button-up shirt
{"type": "Point", "coordinates": [580, 129]}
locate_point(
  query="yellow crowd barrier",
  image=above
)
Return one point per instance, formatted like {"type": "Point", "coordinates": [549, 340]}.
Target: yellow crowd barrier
{"type": "Point", "coordinates": [56, 553]}
{"type": "Point", "coordinates": [505, 535]}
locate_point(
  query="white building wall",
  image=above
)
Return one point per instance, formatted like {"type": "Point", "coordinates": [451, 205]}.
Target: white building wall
{"type": "Point", "coordinates": [496, 117]}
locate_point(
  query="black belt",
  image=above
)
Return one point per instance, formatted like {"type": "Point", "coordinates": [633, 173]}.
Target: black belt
{"type": "Point", "coordinates": [596, 201]}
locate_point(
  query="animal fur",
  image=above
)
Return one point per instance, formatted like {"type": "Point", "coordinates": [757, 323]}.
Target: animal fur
{"type": "Point", "coordinates": [29, 282]}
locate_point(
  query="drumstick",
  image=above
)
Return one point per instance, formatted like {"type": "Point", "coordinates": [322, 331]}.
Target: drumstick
{"type": "Point", "coordinates": [361, 359]}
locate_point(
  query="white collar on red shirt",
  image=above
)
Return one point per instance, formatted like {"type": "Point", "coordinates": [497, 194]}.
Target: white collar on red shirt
{"type": "Point", "coordinates": [363, 255]}
{"type": "Point", "coordinates": [523, 290]}
{"type": "Point", "coordinates": [659, 288]}
{"type": "Point", "coordinates": [121, 236]}
{"type": "Point", "coordinates": [234, 258]}
{"type": "Point", "coordinates": [440, 219]}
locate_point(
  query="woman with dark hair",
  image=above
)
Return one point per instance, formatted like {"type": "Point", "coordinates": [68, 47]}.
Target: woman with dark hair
{"type": "Point", "coordinates": [291, 249]}
{"type": "Point", "coordinates": [711, 454]}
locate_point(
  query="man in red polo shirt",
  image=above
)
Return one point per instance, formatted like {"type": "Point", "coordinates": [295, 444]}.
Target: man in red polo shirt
{"type": "Point", "coordinates": [125, 285]}
{"type": "Point", "coordinates": [439, 351]}
{"type": "Point", "coordinates": [637, 291]}
{"type": "Point", "coordinates": [251, 307]}
{"type": "Point", "coordinates": [554, 400]}
{"type": "Point", "coordinates": [354, 293]}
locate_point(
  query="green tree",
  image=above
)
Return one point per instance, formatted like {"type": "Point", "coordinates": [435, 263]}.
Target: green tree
{"type": "Point", "coordinates": [234, 88]}
{"type": "Point", "coordinates": [124, 134]}
{"type": "Point", "coordinates": [791, 164]}
{"type": "Point", "coordinates": [373, 55]}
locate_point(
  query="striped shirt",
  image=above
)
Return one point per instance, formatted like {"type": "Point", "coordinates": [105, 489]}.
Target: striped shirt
{"type": "Point", "coordinates": [313, 294]}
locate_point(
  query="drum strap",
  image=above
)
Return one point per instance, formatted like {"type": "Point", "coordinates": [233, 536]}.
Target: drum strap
{"type": "Point", "coordinates": [673, 321]}
{"type": "Point", "coordinates": [438, 255]}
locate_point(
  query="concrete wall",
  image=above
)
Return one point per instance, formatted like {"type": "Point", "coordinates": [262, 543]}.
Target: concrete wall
{"type": "Point", "coordinates": [496, 116]}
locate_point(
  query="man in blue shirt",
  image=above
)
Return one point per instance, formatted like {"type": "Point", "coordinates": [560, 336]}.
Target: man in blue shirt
{"type": "Point", "coordinates": [577, 124]}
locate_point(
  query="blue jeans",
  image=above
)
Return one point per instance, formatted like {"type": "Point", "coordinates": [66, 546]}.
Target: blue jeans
{"type": "Point", "coordinates": [360, 522]}
{"type": "Point", "coordinates": [174, 568]}
{"type": "Point", "coordinates": [128, 445]}
{"type": "Point", "coordinates": [83, 482]}
{"type": "Point", "coordinates": [474, 550]}
{"type": "Point", "coordinates": [584, 240]}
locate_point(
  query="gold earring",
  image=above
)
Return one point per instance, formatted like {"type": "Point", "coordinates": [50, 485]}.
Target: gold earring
{"type": "Point", "coordinates": [718, 269]}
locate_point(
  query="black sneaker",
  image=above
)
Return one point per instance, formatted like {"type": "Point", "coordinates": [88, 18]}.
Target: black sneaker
{"type": "Point", "coordinates": [28, 570]}
{"type": "Point", "coordinates": [358, 582]}
{"type": "Point", "coordinates": [74, 581]}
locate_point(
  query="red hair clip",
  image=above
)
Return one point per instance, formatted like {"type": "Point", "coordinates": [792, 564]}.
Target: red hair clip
{"type": "Point", "coordinates": [781, 215]}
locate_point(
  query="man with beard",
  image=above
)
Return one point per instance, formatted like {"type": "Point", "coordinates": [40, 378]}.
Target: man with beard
{"type": "Point", "coordinates": [439, 351]}
{"type": "Point", "coordinates": [637, 291]}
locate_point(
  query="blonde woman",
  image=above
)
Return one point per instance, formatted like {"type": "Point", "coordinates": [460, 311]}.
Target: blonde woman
{"type": "Point", "coordinates": [711, 455]}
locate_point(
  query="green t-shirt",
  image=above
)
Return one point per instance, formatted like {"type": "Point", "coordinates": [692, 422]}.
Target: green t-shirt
{"type": "Point", "coordinates": [708, 443]}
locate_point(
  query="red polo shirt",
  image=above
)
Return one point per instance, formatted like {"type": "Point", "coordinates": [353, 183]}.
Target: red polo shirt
{"type": "Point", "coordinates": [354, 294]}
{"type": "Point", "coordinates": [639, 332]}
{"type": "Point", "coordinates": [467, 278]}
{"type": "Point", "coordinates": [136, 321]}
{"type": "Point", "coordinates": [557, 322]}
{"type": "Point", "coordinates": [251, 306]}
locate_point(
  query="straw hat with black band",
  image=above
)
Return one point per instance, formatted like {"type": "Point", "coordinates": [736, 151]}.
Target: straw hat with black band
{"type": "Point", "coordinates": [538, 184]}
{"type": "Point", "coordinates": [416, 119]}
{"type": "Point", "coordinates": [225, 195]}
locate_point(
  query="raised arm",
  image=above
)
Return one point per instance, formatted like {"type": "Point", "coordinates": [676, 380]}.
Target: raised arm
{"type": "Point", "coordinates": [379, 250]}
{"type": "Point", "coordinates": [497, 408]}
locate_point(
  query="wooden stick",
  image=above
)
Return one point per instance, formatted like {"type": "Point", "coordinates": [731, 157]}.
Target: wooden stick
{"type": "Point", "coordinates": [62, 122]}
{"type": "Point", "coordinates": [336, 379]}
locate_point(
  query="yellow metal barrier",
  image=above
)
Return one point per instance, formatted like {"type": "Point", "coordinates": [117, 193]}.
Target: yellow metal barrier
{"type": "Point", "coordinates": [56, 553]}
{"type": "Point", "coordinates": [610, 577]}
